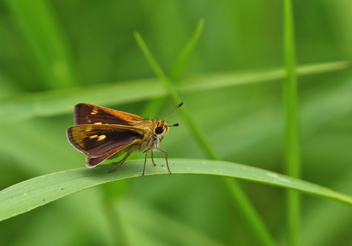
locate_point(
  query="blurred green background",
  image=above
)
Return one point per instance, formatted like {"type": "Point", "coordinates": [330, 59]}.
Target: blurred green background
{"type": "Point", "coordinates": [70, 47]}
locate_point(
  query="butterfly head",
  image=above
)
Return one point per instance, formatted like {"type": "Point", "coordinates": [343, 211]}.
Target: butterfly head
{"type": "Point", "coordinates": [161, 128]}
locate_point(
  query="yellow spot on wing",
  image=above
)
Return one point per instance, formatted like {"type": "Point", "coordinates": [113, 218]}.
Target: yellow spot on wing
{"type": "Point", "coordinates": [94, 111]}
{"type": "Point", "coordinates": [97, 123]}
{"type": "Point", "coordinates": [94, 136]}
{"type": "Point", "coordinates": [101, 137]}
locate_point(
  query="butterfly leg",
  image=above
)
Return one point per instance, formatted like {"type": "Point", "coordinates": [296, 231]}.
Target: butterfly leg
{"type": "Point", "coordinates": [145, 161]}
{"type": "Point", "coordinates": [167, 163]}
{"type": "Point", "coordinates": [153, 159]}
{"type": "Point", "coordinates": [118, 162]}
{"type": "Point", "coordinates": [146, 154]}
{"type": "Point", "coordinates": [122, 161]}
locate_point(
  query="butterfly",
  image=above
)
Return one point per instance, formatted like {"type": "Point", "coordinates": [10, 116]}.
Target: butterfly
{"type": "Point", "coordinates": [102, 133]}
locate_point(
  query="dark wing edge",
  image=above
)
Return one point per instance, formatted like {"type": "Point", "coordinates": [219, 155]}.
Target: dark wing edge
{"type": "Point", "coordinates": [73, 142]}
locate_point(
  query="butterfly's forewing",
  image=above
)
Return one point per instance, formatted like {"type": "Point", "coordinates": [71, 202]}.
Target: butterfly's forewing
{"type": "Point", "coordinates": [86, 113]}
{"type": "Point", "coordinates": [97, 140]}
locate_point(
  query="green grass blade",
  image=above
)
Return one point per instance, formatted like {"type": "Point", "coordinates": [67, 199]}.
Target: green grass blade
{"type": "Point", "coordinates": [46, 41]}
{"type": "Point", "coordinates": [253, 218]}
{"type": "Point", "coordinates": [177, 69]}
{"type": "Point", "coordinates": [55, 102]}
{"type": "Point", "coordinates": [61, 101]}
{"type": "Point", "coordinates": [246, 207]}
{"type": "Point", "coordinates": [292, 133]}
{"type": "Point", "coordinates": [191, 123]}
{"type": "Point", "coordinates": [32, 193]}
{"type": "Point", "coordinates": [186, 53]}
{"type": "Point", "coordinates": [23, 106]}
{"type": "Point", "coordinates": [206, 82]}
{"type": "Point", "coordinates": [180, 234]}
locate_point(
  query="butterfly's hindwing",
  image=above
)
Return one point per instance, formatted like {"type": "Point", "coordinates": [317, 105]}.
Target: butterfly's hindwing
{"type": "Point", "coordinates": [93, 161]}
{"type": "Point", "coordinates": [95, 141]}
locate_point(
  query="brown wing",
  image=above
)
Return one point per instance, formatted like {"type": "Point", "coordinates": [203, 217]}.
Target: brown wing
{"type": "Point", "coordinates": [86, 113]}
{"type": "Point", "coordinates": [97, 140]}
{"type": "Point", "coordinates": [93, 161]}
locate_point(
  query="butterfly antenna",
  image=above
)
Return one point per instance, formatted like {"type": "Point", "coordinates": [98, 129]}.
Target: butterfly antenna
{"type": "Point", "coordinates": [174, 110]}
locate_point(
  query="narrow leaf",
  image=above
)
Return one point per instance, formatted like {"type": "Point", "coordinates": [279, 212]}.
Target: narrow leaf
{"type": "Point", "coordinates": [32, 193]}
{"type": "Point", "coordinates": [54, 102]}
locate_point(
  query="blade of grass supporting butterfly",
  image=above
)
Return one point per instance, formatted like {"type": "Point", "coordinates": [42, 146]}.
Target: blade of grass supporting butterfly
{"type": "Point", "coordinates": [41, 31]}
{"type": "Point", "coordinates": [292, 145]}
{"type": "Point", "coordinates": [36, 192]}
{"type": "Point", "coordinates": [240, 198]}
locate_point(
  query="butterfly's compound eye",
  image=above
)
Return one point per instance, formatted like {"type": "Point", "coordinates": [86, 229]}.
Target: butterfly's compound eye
{"type": "Point", "coordinates": [159, 130]}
